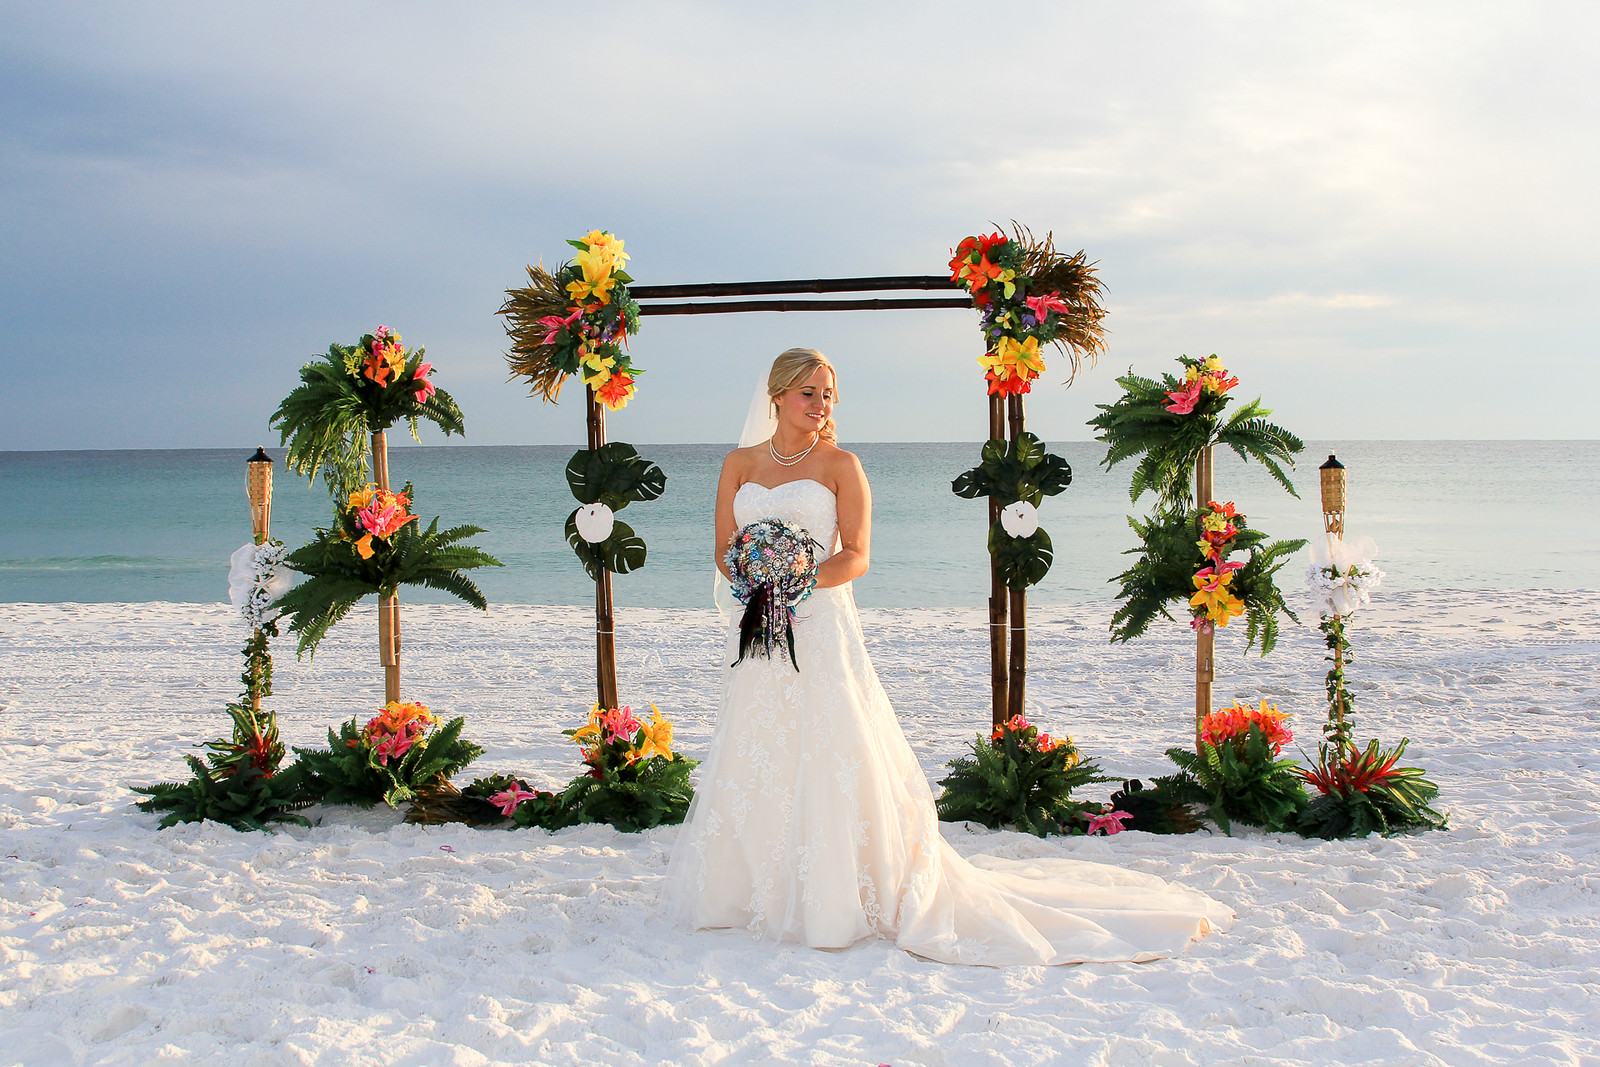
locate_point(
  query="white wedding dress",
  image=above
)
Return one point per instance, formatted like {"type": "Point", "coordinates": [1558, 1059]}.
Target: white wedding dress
{"type": "Point", "coordinates": [813, 822]}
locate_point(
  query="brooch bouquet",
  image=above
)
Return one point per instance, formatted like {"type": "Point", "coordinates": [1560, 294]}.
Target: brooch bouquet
{"type": "Point", "coordinates": [773, 567]}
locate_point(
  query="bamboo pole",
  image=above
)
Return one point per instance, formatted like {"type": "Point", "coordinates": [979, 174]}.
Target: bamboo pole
{"type": "Point", "coordinates": [604, 607]}
{"type": "Point", "coordinates": [999, 671]}
{"type": "Point", "coordinates": [861, 304]}
{"type": "Point", "coordinates": [814, 285]}
{"type": "Point", "coordinates": [1205, 637]}
{"type": "Point", "coordinates": [1017, 679]}
{"type": "Point", "coordinates": [1332, 475]}
{"type": "Point", "coordinates": [388, 606]}
{"type": "Point", "coordinates": [258, 490]}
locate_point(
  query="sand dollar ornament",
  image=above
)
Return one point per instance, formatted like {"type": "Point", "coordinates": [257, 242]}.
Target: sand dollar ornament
{"type": "Point", "coordinates": [1020, 519]}
{"type": "Point", "coordinates": [594, 522]}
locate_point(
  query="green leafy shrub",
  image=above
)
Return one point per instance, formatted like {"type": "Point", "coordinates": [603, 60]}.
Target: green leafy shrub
{"type": "Point", "coordinates": [1018, 778]}
{"type": "Point", "coordinates": [241, 786]}
{"type": "Point", "coordinates": [390, 759]}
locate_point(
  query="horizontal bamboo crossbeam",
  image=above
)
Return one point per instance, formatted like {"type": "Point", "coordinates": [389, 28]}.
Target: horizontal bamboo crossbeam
{"type": "Point", "coordinates": [867, 304]}
{"type": "Point", "coordinates": [815, 285]}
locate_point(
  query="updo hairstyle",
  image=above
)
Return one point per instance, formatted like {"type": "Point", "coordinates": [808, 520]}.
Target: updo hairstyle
{"type": "Point", "coordinates": [790, 371]}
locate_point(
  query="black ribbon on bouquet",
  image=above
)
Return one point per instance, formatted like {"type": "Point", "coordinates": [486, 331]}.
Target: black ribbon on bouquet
{"type": "Point", "coordinates": [765, 618]}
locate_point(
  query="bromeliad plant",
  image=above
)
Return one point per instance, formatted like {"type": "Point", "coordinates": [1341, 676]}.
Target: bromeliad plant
{"type": "Point", "coordinates": [1182, 558]}
{"type": "Point", "coordinates": [576, 321]}
{"type": "Point", "coordinates": [1021, 778]}
{"type": "Point", "coordinates": [1170, 423]}
{"type": "Point", "coordinates": [1362, 790]}
{"type": "Point", "coordinates": [238, 784]}
{"type": "Point", "coordinates": [1237, 772]}
{"type": "Point", "coordinates": [398, 753]}
{"type": "Point", "coordinates": [351, 393]}
{"type": "Point", "coordinates": [635, 780]}
{"type": "Point", "coordinates": [374, 546]}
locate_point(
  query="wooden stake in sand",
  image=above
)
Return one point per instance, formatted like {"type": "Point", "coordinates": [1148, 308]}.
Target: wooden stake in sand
{"type": "Point", "coordinates": [1205, 637]}
{"type": "Point", "coordinates": [388, 606]}
{"type": "Point", "coordinates": [604, 607]}
{"type": "Point", "coordinates": [999, 669]}
{"type": "Point", "coordinates": [1017, 675]}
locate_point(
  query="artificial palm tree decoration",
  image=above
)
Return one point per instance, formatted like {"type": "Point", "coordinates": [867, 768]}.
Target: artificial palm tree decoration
{"type": "Point", "coordinates": [352, 394]}
{"type": "Point", "coordinates": [335, 422]}
{"type": "Point", "coordinates": [1172, 423]}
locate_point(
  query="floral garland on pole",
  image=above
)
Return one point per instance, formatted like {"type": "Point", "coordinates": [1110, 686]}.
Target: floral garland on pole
{"type": "Point", "coordinates": [1029, 296]}
{"type": "Point", "coordinates": [577, 320]}
{"type": "Point", "coordinates": [257, 577]}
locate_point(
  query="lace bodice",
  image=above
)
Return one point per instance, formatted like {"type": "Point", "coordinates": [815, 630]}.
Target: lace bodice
{"type": "Point", "coordinates": [805, 502]}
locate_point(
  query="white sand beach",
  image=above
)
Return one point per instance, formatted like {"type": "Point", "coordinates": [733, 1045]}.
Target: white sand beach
{"type": "Point", "coordinates": [362, 940]}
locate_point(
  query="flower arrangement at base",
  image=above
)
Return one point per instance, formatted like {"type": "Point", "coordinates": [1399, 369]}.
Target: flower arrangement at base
{"type": "Point", "coordinates": [772, 567]}
{"type": "Point", "coordinates": [1171, 422]}
{"type": "Point", "coordinates": [1183, 559]}
{"type": "Point", "coordinates": [1030, 296]}
{"type": "Point", "coordinates": [576, 321]}
{"type": "Point", "coordinates": [354, 391]}
{"type": "Point", "coordinates": [1019, 778]}
{"type": "Point", "coordinates": [1156, 808]}
{"type": "Point", "coordinates": [239, 784]}
{"type": "Point", "coordinates": [635, 780]}
{"type": "Point", "coordinates": [374, 546]}
{"type": "Point", "coordinates": [1361, 790]}
{"type": "Point", "coordinates": [391, 757]}
{"type": "Point", "coordinates": [1017, 472]}
{"type": "Point", "coordinates": [1237, 772]}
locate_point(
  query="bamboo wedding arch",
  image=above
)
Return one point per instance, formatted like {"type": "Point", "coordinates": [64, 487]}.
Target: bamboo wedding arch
{"type": "Point", "coordinates": [1007, 606]}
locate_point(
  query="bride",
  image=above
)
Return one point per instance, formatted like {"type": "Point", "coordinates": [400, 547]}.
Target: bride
{"type": "Point", "coordinates": [812, 821]}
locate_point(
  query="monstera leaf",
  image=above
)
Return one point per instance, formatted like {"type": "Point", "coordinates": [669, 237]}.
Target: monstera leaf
{"type": "Point", "coordinates": [1018, 470]}
{"type": "Point", "coordinates": [620, 553]}
{"type": "Point", "coordinates": [613, 475]}
{"type": "Point", "coordinates": [1023, 561]}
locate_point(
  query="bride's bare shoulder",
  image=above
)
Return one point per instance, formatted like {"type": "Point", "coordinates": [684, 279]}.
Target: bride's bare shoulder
{"type": "Point", "coordinates": [741, 461]}
{"type": "Point", "coordinates": [842, 466]}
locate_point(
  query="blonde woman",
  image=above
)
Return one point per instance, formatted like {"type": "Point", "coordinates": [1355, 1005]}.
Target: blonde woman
{"type": "Point", "coordinates": [812, 820]}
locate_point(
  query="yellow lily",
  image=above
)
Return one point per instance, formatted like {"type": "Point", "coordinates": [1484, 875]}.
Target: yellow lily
{"type": "Point", "coordinates": [657, 735]}
{"type": "Point", "coordinates": [1218, 601]}
{"type": "Point", "coordinates": [584, 733]}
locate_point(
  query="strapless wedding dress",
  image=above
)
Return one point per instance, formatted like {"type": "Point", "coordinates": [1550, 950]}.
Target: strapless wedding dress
{"type": "Point", "coordinates": [813, 822]}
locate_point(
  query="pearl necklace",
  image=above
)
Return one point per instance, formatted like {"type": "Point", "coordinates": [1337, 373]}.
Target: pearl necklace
{"type": "Point", "coordinates": [789, 461]}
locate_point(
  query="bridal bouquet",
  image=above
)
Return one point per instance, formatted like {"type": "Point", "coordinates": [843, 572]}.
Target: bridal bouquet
{"type": "Point", "coordinates": [774, 567]}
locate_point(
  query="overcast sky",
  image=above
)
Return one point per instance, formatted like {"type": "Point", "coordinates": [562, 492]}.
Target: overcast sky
{"type": "Point", "coordinates": [1381, 216]}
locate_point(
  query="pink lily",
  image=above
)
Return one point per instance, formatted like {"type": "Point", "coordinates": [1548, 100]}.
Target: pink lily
{"type": "Point", "coordinates": [1108, 822]}
{"type": "Point", "coordinates": [619, 723]}
{"type": "Point", "coordinates": [1184, 400]}
{"type": "Point", "coordinates": [1044, 303]}
{"type": "Point", "coordinates": [508, 799]}
{"type": "Point", "coordinates": [425, 388]}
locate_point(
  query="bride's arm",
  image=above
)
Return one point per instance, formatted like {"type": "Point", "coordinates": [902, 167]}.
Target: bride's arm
{"type": "Point", "coordinates": [855, 524]}
{"type": "Point", "coordinates": [727, 486]}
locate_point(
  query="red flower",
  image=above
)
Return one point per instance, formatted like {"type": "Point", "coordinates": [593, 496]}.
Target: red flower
{"type": "Point", "coordinates": [1008, 386]}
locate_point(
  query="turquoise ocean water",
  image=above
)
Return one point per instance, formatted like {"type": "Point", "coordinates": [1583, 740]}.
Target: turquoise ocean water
{"type": "Point", "coordinates": [159, 525]}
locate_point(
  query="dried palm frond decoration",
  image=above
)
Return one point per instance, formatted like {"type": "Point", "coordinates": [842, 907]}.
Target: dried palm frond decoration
{"type": "Point", "coordinates": [1030, 296]}
{"type": "Point", "coordinates": [575, 321]}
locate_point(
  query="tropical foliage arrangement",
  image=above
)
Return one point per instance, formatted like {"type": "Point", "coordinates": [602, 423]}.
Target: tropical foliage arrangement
{"type": "Point", "coordinates": [352, 392]}
{"type": "Point", "coordinates": [238, 784]}
{"type": "Point", "coordinates": [1018, 472]}
{"type": "Point", "coordinates": [1171, 422]}
{"type": "Point", "coordinates": [604, 481]}
{"type": "Point", "coordinates": [576, 321]}
{"type": "Point", "coordinates": [1030, 296]}
{"type": "Point", "coordinates": [1362, 790]}
{"type": "Point", "coordinates": [634, 781]}
{"type": "Point", "coordinates": [391, 758]}
{"type": "Point", "coordinates": [1183, 558]}
{"type": "Point", "coordinates": [1237, 773]}
{"type": "Point", "coordinates": [374, 546]}
{"type": "Point", "coordinates": [1020, 778]}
